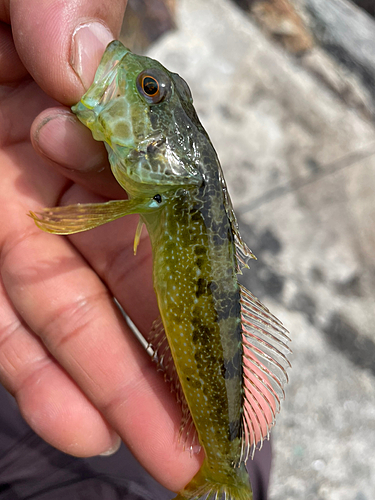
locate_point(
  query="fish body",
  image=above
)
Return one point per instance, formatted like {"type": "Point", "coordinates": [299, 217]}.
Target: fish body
{"type": "Point", "coordinates": [199, 300]}
{"type": "Point", "coordinates": [228, 351]}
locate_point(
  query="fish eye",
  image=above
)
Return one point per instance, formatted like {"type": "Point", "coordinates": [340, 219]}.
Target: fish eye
{"type": "Point", "coordinates": [154, 85]}
{"type": "Point", "coordinates": [150, 86]}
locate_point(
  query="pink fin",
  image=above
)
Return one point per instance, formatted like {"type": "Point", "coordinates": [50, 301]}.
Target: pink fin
{"type": "Point", "coordinates": [265, 362]}
{"type": "Point", "coordinates": [163, 357]}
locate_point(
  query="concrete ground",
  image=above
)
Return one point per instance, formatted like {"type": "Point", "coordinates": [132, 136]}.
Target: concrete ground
{"type": "Point", "coordinates": [301, 171]}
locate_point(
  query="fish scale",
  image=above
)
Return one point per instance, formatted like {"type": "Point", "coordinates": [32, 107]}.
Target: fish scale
{"type": "Point", "coordinates": [229, 352]}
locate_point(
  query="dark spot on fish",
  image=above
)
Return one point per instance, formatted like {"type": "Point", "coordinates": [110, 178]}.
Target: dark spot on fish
{"type": "Point", "coordinates": [202, 335]}
{"type": "Point", "coordinates": [199, 250]}
{"type": "Point", "coordinates": [212, 359]}
{"type": "Point", "coordinates": [154, 119]}
{"type": "Point", "coordinates": [195, 336]}
{"type": "Point", "coordinates": [233, 367]}
{"type": "Point", "coordinates": [218, 240]}
{"type": "Point", "coordinates": [196, 216]}
{"type": "Point", "coordinates": [196, 318]}
{"type": "Point", "coordinates": [229, 306]}
{"type": "Point", "coordinates": [152, 148]}
{"type": "Point", "coordinates": [234, 429]}
{"type": "Point", "coordinates": [206, 159]}
{"type": "Point", "coordinates": [198, 357]}
{"type": "Point", "coordinates": [200, 262]}
{"type": "Point", "coordinates": [203, 287]}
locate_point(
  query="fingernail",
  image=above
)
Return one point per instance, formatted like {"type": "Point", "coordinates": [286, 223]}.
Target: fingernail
{"type": "Point", "coordinates": [88, 45]}
{"type": "Point", "coordinates": [113, 448]}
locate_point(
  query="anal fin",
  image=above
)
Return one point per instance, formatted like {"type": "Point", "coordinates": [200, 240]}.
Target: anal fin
{"type": "Point", "coordinates": [158, 348]}
{"type": "Point", "coordinates": [188, 435]}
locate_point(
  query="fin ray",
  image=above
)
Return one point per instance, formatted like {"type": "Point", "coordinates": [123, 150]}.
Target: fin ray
{"type": "Point", "coordinates": [265, 363]}
{"type": "Point", "coordinates": [243, 252]}
{"type": "Point", "coordinates": [188, 434]}
{"type": "Point", "coordinates": [81, 217]}
{"type": "Point", "coordinates": [73, 219]}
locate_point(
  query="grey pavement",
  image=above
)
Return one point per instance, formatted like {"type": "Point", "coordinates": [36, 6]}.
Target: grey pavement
{"type": "Point", "coordinates": [300, 165]}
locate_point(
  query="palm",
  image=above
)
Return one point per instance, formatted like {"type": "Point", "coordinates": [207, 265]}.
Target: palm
{"type": "Point", "coordinates": [76, 371]}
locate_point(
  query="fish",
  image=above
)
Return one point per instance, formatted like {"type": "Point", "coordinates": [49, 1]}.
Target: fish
{"type": "Point", "coordinates": [228, 353]}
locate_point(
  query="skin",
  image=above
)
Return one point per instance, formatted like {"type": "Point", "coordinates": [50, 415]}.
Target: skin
{"type": "Point", "coordinates": [79, 377]}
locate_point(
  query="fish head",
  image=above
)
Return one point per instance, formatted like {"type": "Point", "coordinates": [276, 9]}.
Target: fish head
{"type": "Point", "coordinates": [145, 116]}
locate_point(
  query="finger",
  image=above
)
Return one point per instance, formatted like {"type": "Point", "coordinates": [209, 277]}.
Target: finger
{"type": "Point", "coordinates": [4, 11]}
{"type": "Point", "coordinates": [49, 400]}
{"type": "Point", "coordinates": [11, 67]}
{"type": "Point", "coordinates": [60, 138]}
{"type": "Point", "coordinates": [18, 109]}
{"type": "Point", "coordinates": [62, 56]}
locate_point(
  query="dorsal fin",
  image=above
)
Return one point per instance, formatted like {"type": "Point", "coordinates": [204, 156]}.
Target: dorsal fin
{"type": "Point", "coordinates": [163, 357]}
{"type": "Point", "coordinates": [243, 252]}
{"type": "Point", "coordinates": [265, 361]}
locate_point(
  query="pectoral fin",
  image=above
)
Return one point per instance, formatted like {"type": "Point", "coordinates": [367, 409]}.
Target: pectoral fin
{"type": "Point", "coordinates": [81, 217]}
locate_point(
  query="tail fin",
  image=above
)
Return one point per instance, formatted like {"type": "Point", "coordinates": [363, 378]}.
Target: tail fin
{"type": "Point", "coordinates": [232, 484]}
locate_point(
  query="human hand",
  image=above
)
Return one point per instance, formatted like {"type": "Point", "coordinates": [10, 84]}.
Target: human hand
{"type": "Point", "coordinates": [78, 374]}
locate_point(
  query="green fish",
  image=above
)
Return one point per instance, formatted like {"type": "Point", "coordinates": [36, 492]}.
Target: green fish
{"type": "Point", "coordinates": [229, 352]}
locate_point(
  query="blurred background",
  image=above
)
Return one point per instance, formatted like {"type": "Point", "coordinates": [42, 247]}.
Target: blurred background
{"type": "Point", "coordinates": [286, 91]}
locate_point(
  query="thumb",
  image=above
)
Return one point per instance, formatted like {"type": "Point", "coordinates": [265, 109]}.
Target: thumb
{"type": "Point", "coordinates": [61, 42]}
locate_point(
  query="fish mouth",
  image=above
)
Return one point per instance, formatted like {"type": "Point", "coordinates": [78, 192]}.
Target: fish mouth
{"type": "Point", "coordinates": [104, 87]}
{"type": "Point", "coordinates": [102, 90]}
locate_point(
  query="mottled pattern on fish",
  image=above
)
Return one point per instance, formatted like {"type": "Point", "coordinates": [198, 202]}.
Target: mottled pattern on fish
{"type": "Point", "coordinates": [199, 300]}
{"type": "Point", "coordinates": [228, 351]}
